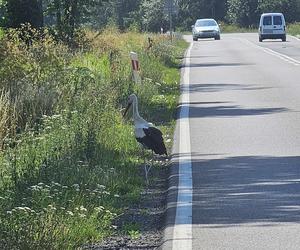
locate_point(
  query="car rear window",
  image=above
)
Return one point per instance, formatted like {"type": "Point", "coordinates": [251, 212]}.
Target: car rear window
{"type": "Point", "coordinates": [267, 20]}
{"type": "Point", "coordinates": [277, 20]}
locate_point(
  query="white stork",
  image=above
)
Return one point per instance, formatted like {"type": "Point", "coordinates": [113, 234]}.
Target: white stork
{"type": "Point", "coordinates": [146, 134]}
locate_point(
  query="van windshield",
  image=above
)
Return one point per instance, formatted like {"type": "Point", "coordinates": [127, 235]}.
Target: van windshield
{"type": "Point", "coordinates": [267, 20]}
{"type": "Point", "coordinates": [277, 20]}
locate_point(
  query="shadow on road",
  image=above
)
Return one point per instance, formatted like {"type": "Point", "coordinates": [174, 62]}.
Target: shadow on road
{"type": "Point", "coordinates": [238, 190]}
{"type": "Point", "coordinates": [246, 190]}
{"type": "Point", "coordinates": [205, 65]}
{"type": "Point", "coordinates": [230, 111]}
{"type": "Point", "coordinates": [222, 109]}
{"type": "Point", "coordinates": [202, 111]}
{"type": "Point", "coordinates": [220, 87]}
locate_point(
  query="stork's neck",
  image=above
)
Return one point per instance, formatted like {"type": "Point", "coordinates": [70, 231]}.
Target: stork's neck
{"type": "Point", "coordinates": [136, 116]}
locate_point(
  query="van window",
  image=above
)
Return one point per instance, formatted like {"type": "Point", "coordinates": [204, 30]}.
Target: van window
{"type": "Point", "coordinates": [277, 20]}
{"type": "Point", "coordinates": [267, 20]}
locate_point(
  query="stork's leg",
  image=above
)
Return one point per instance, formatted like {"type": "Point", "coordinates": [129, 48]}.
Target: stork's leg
{"type": "Point", "coordinates": [148, 168]}
{"type": "Point", "coordinates": [144, 157]}
{"type": "Point", "coordinates": [146, 174]}
{"type": "Point", "coordinates": [145, 167]}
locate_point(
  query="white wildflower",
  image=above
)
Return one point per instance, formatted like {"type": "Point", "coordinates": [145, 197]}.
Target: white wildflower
{"type": "Point", "coordinates": [21, 208]}
{"type": "Point", "coordinates": [51, 207]}
{"type": "Point", "coordinates": [100, 186]}
{"type": "Point", "coordinates": [70, 213]}
{"type": "Point", "coordinates": [99, 209]}
{"type": "Point", "coordinates": [82, 209]}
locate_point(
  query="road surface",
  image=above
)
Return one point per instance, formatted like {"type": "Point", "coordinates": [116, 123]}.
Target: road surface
{"type": "Point", "coordinates": [235, 179]}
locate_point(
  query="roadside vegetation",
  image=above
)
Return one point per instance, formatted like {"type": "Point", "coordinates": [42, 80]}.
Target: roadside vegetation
{"type": "Point", "coordinates": [231, 28]}
{"type": "Point", "coordinates": [294, 29]}
{"type": "Point", "coordinates": [69, 162]}
{"type": "Point", "coordinates": [1, 32]}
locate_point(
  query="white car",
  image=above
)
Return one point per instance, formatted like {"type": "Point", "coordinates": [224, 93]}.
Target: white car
{"type": "Point", "coordinates": [206, 28]}
{"type": "Point", "coordinates": [272, 26]}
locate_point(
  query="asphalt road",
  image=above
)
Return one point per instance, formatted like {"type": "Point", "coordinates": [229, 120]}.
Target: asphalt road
{"type": "Point", "coordinates": [242, 189]}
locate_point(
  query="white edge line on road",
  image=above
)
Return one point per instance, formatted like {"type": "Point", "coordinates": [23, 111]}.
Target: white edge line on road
{"type": "Point", "coordinates": [294, 37]}
{"type": "Point", "coordinates": [182, 233]}
{"type": "Point", "coordinates": [273, 53]}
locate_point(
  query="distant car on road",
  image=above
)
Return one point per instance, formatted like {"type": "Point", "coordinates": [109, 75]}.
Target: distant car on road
{"type": "Point", "coordinates": [206, 28]}
{"type": "Point", "coordinates": [272, 26]}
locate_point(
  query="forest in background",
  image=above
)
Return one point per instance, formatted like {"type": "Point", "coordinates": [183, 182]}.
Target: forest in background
{"type": "Point", "coordinates": [142, 15]}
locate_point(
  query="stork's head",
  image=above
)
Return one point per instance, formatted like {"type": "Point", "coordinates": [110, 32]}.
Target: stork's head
{"type": "Point", "coordinates": [131, 99]}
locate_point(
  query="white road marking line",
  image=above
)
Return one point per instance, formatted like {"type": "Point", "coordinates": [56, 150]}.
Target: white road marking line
{"type": "Point", "coordinates": [182, 234]}
{"type": "Point", "coordinates": [282, 56]}
{"type": "Point", "coordinates": [273, 53]}
{"type": "Point", "coordinates": [294, 37]}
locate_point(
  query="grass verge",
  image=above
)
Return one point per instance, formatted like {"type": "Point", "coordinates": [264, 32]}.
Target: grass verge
{"type": "Point", "coordinates": [232, 28]}
{"type": "Point", "coordinates": [68, 162]}
{"type": "Point", "coordinates": [294, 29]}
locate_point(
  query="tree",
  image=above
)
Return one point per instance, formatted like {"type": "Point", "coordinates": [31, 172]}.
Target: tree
{"type": "Point", "coordinates": [190, 10]}
{"type": "Point", "coordinates": [153, 17]}
{"type": "Point", "coordinates": [24, 11]}
{"type": "Point", "coordinates": [3, 12]}
{"type": "Point", "coordinates": [68, 15]}
{"type": "Point", "coordinates": [243, 12]}
{"type": "Point", "coordinates": [290, 8]}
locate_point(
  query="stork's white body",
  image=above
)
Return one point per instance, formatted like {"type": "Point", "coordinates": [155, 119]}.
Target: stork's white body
{"type": "Point", "coordinates": [145, 132]}
{"type": "Point", "coordinates": [139, 126]}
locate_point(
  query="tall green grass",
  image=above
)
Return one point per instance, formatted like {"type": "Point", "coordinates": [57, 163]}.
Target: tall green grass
{"type": "Point", "coordinates": [294, 29]}
{"type": "Point", "coordinates": [68, 161]}
{"type": "Point", "coordinates": [1, 33]}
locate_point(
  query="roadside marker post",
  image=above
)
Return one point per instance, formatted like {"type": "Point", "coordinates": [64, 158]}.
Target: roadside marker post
{"type": "Point", "coordinates": [135, 67]}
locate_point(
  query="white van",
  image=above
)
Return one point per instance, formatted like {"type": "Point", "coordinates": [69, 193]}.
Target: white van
{"type": "Point", "coordinates": [272, 26]}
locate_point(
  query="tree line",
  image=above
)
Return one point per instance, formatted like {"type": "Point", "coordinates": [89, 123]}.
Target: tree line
{"type": "Point", "coordinates": [68, 15]}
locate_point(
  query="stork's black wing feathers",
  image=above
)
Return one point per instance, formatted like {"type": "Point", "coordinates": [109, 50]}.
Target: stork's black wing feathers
{"type": "Point", "coordinates": [154, 140]}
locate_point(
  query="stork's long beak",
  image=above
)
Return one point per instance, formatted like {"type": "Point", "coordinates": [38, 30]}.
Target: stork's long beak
{"type": "Point", "coordinates": [127, 108]}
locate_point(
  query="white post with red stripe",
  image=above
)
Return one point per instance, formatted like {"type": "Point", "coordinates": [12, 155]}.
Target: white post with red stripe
{"type": "Point", "coordinates": [135, 67]}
